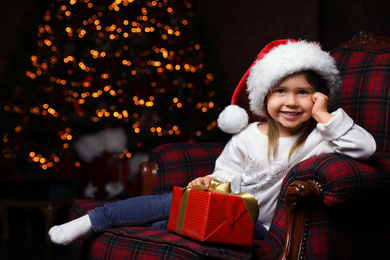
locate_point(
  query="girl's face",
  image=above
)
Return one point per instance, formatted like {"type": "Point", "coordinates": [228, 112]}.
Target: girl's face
{"type": "Point", "coordinates": [290, 104]}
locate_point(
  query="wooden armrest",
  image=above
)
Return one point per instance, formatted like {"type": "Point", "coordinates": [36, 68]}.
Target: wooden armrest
{"type": "Point", "coordinates": [299, 196]}
{"type": "Point", "coordinates": [148, 171]}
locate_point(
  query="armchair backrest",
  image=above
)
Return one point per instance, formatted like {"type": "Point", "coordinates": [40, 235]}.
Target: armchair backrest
{"type": "Point", "coordinates": [179, 163]}
{"type": "Point", "coordinates": [364, 65]}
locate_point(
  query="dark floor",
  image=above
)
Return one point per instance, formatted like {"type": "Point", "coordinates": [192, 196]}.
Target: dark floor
{"type": "Point", "coordinates": [23, 246]}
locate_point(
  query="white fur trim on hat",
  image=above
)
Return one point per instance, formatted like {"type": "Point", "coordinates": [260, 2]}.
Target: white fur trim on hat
{"type": "Point", "coordinates": [283, 60]}
{"type": "Point", "coordinates": [233, 119]}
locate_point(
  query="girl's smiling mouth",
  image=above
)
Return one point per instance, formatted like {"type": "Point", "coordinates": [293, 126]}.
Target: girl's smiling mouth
{"type": "Point", "coordinates": [290, 113]}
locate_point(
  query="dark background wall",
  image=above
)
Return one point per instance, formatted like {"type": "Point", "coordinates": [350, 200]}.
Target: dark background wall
{"type": "Point", "coordinates": [233, 32]}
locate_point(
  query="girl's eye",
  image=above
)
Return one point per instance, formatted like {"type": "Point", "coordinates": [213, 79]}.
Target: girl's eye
{"type": "Point", "coordinates": [303, 92]}
{"type": "Point", "coordinates": [280, 91]}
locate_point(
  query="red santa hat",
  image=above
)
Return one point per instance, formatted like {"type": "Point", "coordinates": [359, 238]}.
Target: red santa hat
{"type": "Point", "coordinates": [276, 61]}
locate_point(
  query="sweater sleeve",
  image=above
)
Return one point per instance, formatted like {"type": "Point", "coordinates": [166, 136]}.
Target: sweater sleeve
{"type": "Point", "coordinates": [229, 165]}
{"type": "Point", "coordinates": [346, 137]}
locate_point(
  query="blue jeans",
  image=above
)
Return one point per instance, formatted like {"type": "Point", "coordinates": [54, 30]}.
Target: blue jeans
{"type": "Point", "coordinates": [152, 209]}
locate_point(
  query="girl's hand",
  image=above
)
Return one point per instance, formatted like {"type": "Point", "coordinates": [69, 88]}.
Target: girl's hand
{"type": "Point", "coordinates": [201, 180]}
{"type": "Point", "coordinates": [320, 108]}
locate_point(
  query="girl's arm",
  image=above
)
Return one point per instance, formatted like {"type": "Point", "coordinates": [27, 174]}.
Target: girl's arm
{"type": "Point", "coordinates": [342, 133]}
{"type": "Point", "coordinates": [230, 164]}
{"type": "Point", "coordinates": [345, 137]}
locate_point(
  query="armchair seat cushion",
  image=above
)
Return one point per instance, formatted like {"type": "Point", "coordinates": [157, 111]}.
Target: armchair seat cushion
{"type": "Point", "coordinates": [147, 243]}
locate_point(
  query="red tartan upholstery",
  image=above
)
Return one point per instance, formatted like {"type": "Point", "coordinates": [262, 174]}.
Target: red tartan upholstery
{"type": "Point", "coordinates": [145, 243]}
{"type": "Point", "coordinates": [365, 93]}
{"type": "Point", "coordinates": [182, 162]}
{"type": "Point", "coordinates": [349, 222]}
{"type": "Point", "coordinates": [352, 205]}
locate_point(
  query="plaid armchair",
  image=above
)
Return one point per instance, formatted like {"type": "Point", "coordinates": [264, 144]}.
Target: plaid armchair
{"type": "Point", "coordinates": [330, 206]}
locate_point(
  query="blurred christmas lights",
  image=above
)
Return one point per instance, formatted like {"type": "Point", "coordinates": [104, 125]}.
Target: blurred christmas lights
{"type": "Point", "coordinates": [60, 61]}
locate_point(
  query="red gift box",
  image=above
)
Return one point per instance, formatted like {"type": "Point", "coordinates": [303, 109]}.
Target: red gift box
{"type": "Point", "coordinates": [210, 215]}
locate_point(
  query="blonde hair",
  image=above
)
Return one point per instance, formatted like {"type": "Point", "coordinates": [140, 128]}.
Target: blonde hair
{"type": "Point", "coordinates": [273, 133]}
{"type": "Point", "coordinates": [273, 139]}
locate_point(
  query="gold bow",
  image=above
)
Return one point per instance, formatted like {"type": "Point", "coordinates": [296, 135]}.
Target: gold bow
{"type": "Point", "coordinates": [218, 187]}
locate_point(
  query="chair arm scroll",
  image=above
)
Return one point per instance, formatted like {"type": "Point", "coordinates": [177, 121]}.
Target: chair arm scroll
{"type": "Point", "coordinates": [299, 195]}
{"type": "Point", "coordinates": [148, 171]}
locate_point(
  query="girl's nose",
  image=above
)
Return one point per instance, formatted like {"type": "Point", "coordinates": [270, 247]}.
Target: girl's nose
{"type": "Point", "coordinates": [291, 101]}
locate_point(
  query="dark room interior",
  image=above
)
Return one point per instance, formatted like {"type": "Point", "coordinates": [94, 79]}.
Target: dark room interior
{"type": "Point", "coordinates": [230, 33]}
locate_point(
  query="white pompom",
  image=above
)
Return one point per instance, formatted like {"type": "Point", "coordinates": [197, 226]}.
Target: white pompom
{"type": "Point", "coordinates": [233, 119]}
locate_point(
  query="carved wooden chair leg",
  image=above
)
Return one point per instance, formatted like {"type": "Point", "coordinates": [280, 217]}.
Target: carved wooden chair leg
{"type": "Point", "coordinates": [148, 171]}
{"type": "Point", "coordinates": [299, 196]}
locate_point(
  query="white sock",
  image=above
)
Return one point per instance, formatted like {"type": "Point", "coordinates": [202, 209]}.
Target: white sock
{"type": "Point", "coordinates": [67, 233]}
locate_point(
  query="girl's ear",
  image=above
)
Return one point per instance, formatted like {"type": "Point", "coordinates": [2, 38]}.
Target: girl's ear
{"type": "Point", "coordinates": [265, 106]}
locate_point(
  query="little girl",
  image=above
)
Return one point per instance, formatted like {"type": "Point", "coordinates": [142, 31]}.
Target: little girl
{"type": "Point", "coordinates": [290, 83]}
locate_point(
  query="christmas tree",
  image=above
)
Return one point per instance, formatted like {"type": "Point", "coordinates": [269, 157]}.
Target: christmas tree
{"type": "Point", "coordinates": [107, 64]}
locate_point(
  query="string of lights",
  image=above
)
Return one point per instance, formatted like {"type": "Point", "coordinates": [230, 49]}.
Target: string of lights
{"type": "Point", "coordinates": [99, 64]}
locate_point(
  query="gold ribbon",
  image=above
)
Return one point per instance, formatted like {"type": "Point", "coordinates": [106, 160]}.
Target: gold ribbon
{"type": "Point", "coordinates": [218, 187]}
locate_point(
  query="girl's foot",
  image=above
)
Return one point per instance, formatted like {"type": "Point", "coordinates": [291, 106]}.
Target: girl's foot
{"type": "Point", "coordinates": [67, 233]}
